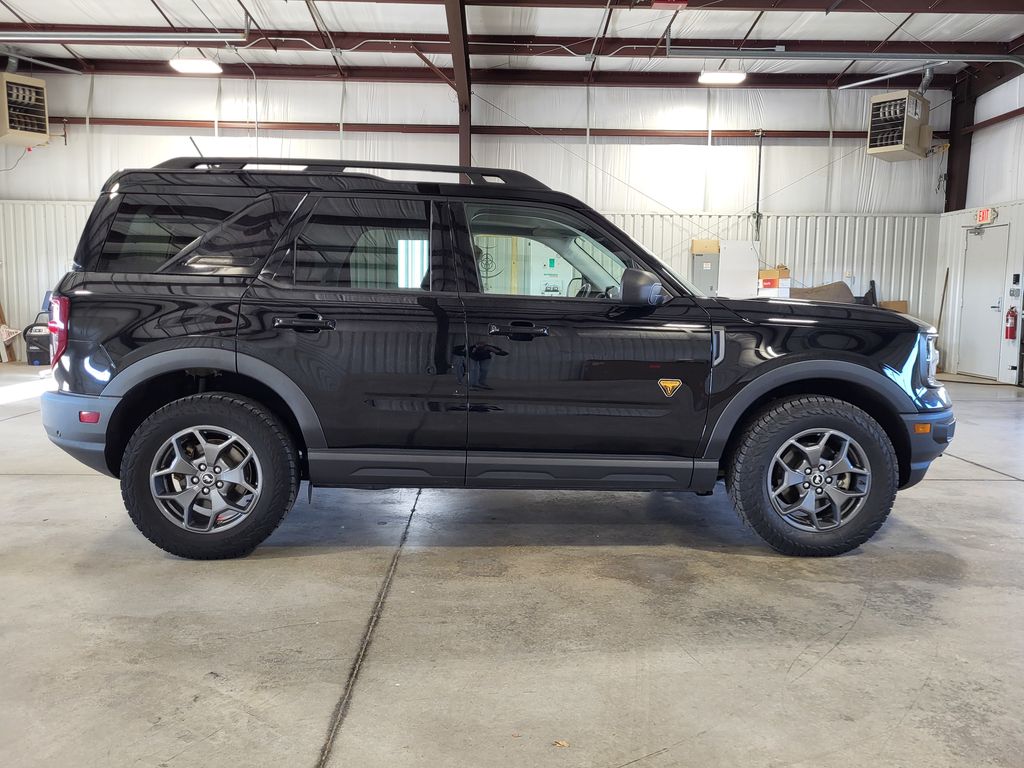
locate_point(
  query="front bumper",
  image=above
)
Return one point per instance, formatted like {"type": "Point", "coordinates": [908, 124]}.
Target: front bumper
{"type": "Point", "coordinates": [86, 442]}
{"type": "Point", "coordinates": [926, 447]}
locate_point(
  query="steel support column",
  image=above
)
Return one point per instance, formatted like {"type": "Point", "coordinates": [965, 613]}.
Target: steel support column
{"type": "Point", "coordinates": [455, 10]}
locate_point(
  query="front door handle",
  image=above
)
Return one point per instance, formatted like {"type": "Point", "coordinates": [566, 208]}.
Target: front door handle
{"type": "Point", "coordinates": [305, 323]}
{"type": "Point", "coordinates": [517, 332]}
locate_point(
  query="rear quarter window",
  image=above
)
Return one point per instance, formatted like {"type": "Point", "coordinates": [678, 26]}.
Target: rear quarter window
{"type": "Point", "coordinates": [193, 234]}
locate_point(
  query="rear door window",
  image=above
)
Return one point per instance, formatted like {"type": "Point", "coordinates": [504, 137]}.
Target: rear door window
{"type": "Point", "coordinates": [362, 243]}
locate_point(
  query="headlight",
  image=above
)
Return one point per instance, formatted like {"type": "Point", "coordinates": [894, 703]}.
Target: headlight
{"type": "Point", "coordinates": [930, 360]}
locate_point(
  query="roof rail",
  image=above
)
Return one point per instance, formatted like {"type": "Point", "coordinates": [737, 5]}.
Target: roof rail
{"type": "Point", "coordinates": [474, 174]}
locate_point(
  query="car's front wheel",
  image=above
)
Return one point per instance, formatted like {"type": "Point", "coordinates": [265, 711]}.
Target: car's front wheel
{"type": "Point", "coordinates": [209, 476]}
{"type": "Point", "coordinates": [813, 476]}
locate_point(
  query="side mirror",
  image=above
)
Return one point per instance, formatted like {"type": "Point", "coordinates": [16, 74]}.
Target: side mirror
{"type": "Point", "coordinates": [642, 289]}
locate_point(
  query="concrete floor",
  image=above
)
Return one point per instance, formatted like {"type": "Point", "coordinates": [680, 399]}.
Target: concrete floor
{"type": "Point", "coordinates": [520, 629]}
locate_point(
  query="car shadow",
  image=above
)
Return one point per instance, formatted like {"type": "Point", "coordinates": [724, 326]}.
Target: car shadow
{"type": "Point", "coordinates": [348, 518]}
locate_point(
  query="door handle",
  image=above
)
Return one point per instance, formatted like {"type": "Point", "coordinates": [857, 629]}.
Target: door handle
{"type": "Point", "coordinates": [514, 331]}
{"type": "Point", "coordinates": [305, 323]}
{"type": "Point", "coordinates": [997, 306]}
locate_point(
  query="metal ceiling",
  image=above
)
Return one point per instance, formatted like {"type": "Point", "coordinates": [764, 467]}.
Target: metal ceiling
{"type": "Point", "coordinates": [785, 43]}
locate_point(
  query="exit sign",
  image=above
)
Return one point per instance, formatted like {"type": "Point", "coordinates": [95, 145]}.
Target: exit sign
{"type": "Point", "coordinates": [986, 215]}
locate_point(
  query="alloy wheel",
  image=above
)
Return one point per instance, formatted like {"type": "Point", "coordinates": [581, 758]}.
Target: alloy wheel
{"type": "Point", "coordinates": [206, 479]}
{"type": "Point", "coordinates": [819, 480]}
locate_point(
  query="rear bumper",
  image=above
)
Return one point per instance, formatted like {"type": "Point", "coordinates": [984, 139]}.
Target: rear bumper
{"type": "Point", "coordinates": [86, 442]}
{"type": "Point", "coordinates": [928, 446]}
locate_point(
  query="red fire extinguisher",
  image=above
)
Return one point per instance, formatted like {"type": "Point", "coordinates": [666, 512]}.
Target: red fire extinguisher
{"type": "Point", "coordinates": [1011, 323]}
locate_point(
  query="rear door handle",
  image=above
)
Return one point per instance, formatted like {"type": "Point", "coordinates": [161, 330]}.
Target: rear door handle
{"type": "Point", "coordinates": [526, 330]}
{"type": "Point", "coordinates": [305, 323]}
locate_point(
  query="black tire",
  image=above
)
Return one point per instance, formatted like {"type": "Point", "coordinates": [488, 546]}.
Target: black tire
{"type": "Point", "coordinates": [767, 432]}
{"type": "Point", "coordinates": [252, 422]}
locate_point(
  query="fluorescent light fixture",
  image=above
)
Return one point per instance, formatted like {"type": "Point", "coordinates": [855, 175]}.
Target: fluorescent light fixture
{"type": "Point", "coordinates": [196, 66]}
{"type": "Point", "coordinates": [721, 77]}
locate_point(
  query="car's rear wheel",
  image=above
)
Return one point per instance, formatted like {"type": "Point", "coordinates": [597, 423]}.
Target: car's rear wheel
{"type": "Point", "coordinates": [209, 476]}
{"type": "Point", "coordinates": [813, 476]}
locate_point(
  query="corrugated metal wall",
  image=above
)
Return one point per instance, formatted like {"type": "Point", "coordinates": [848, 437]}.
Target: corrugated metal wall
{"type": "Point", "coordinates": [898, 252]}
{"type": "Point", "coordinates": [37, 244]}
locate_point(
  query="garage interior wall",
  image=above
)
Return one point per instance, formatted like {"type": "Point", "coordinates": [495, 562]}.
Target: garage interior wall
{"type": "Point", "coordinates": [997, 164]}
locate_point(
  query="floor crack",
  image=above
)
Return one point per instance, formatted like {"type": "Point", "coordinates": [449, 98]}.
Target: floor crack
{"type": "Point", "coordinates": [342, 707]}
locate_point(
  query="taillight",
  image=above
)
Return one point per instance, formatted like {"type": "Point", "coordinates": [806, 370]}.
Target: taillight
{"type": "Point", "coordinates": [60, 309]}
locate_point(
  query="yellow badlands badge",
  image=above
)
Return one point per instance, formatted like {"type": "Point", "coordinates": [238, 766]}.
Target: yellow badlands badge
{"type": "Point", "coordinates": [669, 386]}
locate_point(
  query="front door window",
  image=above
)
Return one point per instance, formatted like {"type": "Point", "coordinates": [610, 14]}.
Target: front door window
{"type": "Point", "coordinates": [532, 251]}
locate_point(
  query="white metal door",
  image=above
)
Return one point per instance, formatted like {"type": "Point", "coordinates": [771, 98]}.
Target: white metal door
{"type": "Point", "coordinates": [981, 313]}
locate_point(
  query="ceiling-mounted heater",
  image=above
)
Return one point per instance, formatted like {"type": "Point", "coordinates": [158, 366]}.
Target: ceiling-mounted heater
{"type": "Point", "coordinates": [899, 127]}
{"type": "Point", "coordinates": [23, 116]}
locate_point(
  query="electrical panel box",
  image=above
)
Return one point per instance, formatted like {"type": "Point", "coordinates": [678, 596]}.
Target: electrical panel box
{"type": "Point", "coordinates": [899, 127]}
{"type": "Point", "coordinates": [704, 272]}
{"type": "Point", "coordinates": [24, 121]}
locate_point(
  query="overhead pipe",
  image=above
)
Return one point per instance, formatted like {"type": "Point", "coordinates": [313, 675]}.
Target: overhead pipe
{"type": "Point", "coordinates": [41, 63]}
{"type": "Point", "coordinates": [781, 54]}
{"type": "Point", "coordinates": [925, 82]}
{"type": "Point", "coordinates": [37, 37]}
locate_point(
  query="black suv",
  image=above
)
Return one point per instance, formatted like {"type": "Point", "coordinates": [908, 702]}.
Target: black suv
{"type": "Point", "coordinates": [232, 328]}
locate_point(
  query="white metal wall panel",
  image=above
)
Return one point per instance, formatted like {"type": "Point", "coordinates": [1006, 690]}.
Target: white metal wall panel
{"type": "Point", "coordinates": [898, 252]}
{"type": "Point", "coordinates": [37, 245]}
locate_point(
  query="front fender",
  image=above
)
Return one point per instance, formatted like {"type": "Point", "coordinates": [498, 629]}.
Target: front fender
{"type": "Point", "coordinates": [717, 434]}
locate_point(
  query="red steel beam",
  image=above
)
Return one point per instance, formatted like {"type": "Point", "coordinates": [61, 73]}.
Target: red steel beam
{"type": "Point", "coordinates": [526, 45]}
{"type": "Point", "coordinates": [455, 12]}
{"type": "Point", "coordinates": [481, 130]}
{"type": "Point", "coordinates": [1013, 113]}
{"type": "Point", "coordinates": [538, 77]}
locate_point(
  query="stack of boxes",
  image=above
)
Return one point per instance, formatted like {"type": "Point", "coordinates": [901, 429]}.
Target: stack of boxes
{"type": "Point", "coordinates": [774, 282]}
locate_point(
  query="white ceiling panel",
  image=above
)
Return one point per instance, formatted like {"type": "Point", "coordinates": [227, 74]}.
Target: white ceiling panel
{"type": "Point", "coordinates": [376, 17]}
{"type": "Point", "coordinates": [711, 24]}
{"type": "Point", "coordinates": [818, 26]}
{"type": "Point", "coordinates": [483, 20]}
{"type": "Point", "coordinates": [962, 27]}
{"type": "Point", "coordinates": [84, 12]}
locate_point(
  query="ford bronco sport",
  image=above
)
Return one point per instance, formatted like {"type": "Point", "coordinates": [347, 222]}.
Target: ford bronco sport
{"type": "Point", "coordinates": [230, 329]}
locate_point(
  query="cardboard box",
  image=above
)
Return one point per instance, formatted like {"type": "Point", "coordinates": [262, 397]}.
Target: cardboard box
{"type": "Point", "coordinates": [896, 306]}
{"type": "Point", "coordinates": [705, 246]}
{"type": "Point", "coordinates": [776, 273]}
{"type": "Point", "coordinates": [776, 282]}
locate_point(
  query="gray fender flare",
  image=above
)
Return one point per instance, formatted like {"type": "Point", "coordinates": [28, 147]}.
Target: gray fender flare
{"type": "Point", "coordinates": [181, 359]}
{"type": "Point", "coordinates": [838, 370]}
